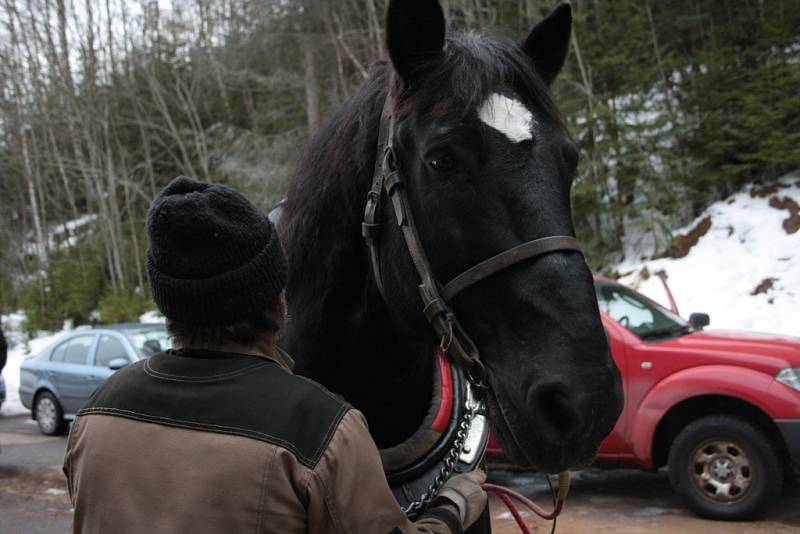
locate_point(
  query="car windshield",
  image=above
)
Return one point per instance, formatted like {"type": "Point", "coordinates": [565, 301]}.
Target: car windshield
{"type": "Point", "coordinates": [639, 314]}
{"type": "Point", "coordinates": [149, 342]}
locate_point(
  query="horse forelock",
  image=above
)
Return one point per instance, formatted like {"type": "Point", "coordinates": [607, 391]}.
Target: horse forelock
{"type": "Point", "coordinates": [471, 68]}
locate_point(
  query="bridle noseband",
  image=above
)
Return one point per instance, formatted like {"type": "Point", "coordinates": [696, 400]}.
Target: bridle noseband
{"type": "Point", "coordinates": [388, 183]}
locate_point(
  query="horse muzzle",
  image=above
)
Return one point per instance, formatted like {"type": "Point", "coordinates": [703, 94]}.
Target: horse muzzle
{"type": "Point", "coordinates": [561, 423]}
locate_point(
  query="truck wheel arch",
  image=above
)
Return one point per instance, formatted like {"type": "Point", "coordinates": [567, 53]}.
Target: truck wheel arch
{"type": "Point", "coordinates": [694, 408]}
{"type": "Point", "coordinates": [695, 392]}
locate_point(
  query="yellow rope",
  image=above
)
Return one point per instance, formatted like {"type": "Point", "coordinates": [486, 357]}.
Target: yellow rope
{"type": "Point", "coordinates": [563, 485]}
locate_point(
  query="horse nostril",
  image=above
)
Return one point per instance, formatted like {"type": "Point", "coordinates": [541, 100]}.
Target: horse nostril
{"type": "Point", "coordinates": [553, 412]}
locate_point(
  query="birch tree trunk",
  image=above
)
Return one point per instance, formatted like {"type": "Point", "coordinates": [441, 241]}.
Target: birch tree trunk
{"type": "Point", "coordinates": [311, 88]}
{"type": "Point", "coordinates": [17, 77]}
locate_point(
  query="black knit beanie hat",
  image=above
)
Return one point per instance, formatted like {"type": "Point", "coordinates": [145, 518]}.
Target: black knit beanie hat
{"type": "Point", "coordinates": [214, 258]}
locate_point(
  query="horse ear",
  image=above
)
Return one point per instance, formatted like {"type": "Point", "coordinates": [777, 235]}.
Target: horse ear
{"type": "Point", "coordinates": [548, 42]}
{"type": "Point", "coordinates": [415, 32]}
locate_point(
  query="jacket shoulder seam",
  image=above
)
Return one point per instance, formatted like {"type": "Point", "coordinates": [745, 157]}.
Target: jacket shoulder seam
{"type": "Point", "coordinates": [321, 388]}
{"type": "Point", "coordinates": [323, 445]}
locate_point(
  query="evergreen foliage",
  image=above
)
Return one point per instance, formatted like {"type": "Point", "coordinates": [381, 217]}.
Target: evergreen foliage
{"type": "Point", "coordinates": [123, 307]}
{"type": "Point", "coordinates": [673, 103]}
{"type": "Point", "coordinates": [67, 290]}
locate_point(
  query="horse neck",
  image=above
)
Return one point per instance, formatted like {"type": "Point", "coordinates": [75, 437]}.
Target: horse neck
{"type": "Point", "coordinates": [340, 333]}
{"type": "Point", "coordinates": [360, 355]}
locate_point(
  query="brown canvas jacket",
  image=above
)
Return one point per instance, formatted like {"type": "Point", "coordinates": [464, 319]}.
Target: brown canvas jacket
{"type": "Point", "coordinates": [202, 442]}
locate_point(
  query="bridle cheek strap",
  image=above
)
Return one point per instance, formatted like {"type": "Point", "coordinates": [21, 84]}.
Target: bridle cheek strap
{"type": "Point", "coordinates": [388, 183]}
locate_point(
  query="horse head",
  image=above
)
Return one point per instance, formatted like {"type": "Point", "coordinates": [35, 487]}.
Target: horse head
{"type": "Point", "coordinates": [488, 165]}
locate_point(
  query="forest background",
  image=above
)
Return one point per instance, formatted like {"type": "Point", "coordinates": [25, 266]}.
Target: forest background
{"type": "Point", "coordinates": [673, 103]}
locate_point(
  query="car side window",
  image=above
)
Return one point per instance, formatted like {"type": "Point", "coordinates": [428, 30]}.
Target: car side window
{"type": "Point", "coordinates": [78, 349]}
{"type": "Point", "coordinates": [58, 353]}
{"type": "Point", "coordinates": [109, 348]}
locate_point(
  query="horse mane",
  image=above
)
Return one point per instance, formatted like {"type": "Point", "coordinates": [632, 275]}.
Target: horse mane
{"type": "Point", "coordinates": [329, 280]}
{"type": "Point", "coordinates": [321, 228]}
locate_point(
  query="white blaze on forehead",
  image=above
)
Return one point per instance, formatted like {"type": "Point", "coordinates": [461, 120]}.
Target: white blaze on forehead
{"type": "Point", "coordinates": [508, 116]}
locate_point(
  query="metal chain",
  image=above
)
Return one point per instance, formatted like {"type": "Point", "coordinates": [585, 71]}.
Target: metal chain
{"type": "Point", "coordinates": [449, 464]}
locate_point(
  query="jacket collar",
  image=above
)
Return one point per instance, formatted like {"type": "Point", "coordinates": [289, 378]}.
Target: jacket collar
{"type": "Point", "coordinates": [279, 356]}
{"type": "Point", "coordinates": [272, 353]}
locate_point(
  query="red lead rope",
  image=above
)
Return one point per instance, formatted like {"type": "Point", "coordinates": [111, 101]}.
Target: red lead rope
{"type": "Point", "coordinates": [513, 509]}
{"type": "Point", "coordinates": [506, 495]}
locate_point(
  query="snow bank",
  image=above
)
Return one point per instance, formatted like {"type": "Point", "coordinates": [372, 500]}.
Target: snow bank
{"type": "Point", "coordinates": [745, 246]}
{"type": "Point", "coordinates": [152, 316]}
{"type": "Point", "coordinates": [19, 349]}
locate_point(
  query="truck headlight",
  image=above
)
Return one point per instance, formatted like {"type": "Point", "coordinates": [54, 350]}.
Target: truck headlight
{"type": "Point", "coordinates": [789, 377]}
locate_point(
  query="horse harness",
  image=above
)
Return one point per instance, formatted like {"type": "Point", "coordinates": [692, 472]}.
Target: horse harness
{"type": "Point", "coordinates": [388, 183]}
{"type": "Point", "coordinates": [464, 441]}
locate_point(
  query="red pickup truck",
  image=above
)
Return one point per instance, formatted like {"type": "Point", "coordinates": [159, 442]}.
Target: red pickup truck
{"type": "Point", "coordinates": [720, 409]}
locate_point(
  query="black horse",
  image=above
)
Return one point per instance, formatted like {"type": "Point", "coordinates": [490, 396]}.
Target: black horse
{"type": "Point", "coordinates": [488, 165]}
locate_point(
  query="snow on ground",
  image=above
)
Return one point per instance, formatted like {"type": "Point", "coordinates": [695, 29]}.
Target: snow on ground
{"type": "Point", "coordinates": [152, 316]}
{"type": "Point", "coordinates": [745, 246]}
{"type": "Point", "coordinates": [19, 349]}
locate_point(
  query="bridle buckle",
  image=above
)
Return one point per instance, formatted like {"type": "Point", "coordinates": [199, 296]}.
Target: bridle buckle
{"type": "Point", "coordinates": [447, 338]}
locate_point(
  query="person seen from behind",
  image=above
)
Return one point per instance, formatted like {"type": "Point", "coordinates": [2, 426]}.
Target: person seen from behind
{"type": "Point", "coordinates": [217, 434]}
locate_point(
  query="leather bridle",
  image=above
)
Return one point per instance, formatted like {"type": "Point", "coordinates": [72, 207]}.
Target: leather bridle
{"type": "Point", "coordinates": [388, 183]}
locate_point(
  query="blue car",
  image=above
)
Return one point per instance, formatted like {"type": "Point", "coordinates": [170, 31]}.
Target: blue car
{"type": "Point", "coordinates": [58, 381]}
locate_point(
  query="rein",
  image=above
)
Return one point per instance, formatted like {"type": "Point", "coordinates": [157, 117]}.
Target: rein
{"type": "Point", "coordinates": [506, 495]}
{"type": "Point", "coordinates": [388, 184]}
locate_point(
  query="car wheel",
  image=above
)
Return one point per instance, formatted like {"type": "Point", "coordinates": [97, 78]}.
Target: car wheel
{"type": "Point", "coordinates": [724, 467]}
{"type": "Point", "coordinates": [49, 415]}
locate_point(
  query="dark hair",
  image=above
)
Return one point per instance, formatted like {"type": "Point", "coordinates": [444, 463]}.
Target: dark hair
{"type": "Point", "coordinates": [259, 327]}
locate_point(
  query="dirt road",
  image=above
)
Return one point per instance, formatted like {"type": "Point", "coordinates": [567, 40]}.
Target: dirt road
{"type": "Point", "coordinates": [33, 497]}
{"type": "Point", "coordinates": [633, 502]}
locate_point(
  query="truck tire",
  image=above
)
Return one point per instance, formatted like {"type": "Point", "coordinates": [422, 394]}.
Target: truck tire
{"type": "Point", "coordinates": [724, 467]}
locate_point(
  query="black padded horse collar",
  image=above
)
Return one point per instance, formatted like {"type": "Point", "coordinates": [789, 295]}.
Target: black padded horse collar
{"type": "Point", "coordinates": [388, 183]}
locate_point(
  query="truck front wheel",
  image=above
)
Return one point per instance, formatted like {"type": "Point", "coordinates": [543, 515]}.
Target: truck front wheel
{"type": "Point", "coordinates": [724, 467]}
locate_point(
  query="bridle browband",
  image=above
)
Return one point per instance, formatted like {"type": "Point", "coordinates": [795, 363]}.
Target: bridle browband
{"type": "Point", "coordinates": [388, 182]}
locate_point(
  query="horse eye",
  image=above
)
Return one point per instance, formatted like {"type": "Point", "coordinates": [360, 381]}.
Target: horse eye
{"type": "Point", "coordinates": [442, 163]}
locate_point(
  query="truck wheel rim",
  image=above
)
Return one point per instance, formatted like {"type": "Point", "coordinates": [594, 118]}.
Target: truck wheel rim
{"type": "Point", "coordinates": [46, 414]}
{"type": "Point", "coordinates": [721, 471]}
